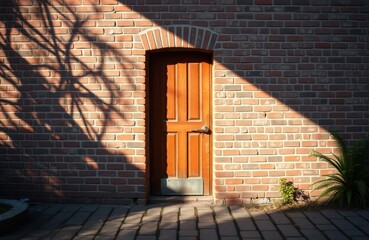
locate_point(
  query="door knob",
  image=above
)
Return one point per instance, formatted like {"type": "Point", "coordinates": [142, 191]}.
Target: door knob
{"type": "Point", "coordinates": [204, 129]}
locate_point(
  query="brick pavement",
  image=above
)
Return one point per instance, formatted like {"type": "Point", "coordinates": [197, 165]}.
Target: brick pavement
{"type": "Point", "coordinates": [187, 222]}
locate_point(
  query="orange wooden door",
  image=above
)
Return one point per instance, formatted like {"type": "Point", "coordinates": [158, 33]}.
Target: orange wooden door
{"type": "Point", "coordinates": [180, 106]}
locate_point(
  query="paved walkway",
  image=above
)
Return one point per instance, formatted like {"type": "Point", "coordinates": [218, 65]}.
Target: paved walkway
{"type": "Point", "coordinates": [187, 222]}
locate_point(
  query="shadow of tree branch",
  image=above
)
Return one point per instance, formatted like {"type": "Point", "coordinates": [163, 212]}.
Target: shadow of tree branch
{"type": "Point", "coordinates": [57, 105]}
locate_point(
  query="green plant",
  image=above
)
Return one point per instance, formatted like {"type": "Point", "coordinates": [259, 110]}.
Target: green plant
{"type": "Point", "coordinates": [287, 191]}
{"type": "Point", "coordinates": [349, 186]}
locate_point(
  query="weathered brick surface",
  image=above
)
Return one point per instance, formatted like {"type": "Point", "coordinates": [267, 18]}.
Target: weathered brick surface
{"type": "Point", "coordinates": [73, 112]}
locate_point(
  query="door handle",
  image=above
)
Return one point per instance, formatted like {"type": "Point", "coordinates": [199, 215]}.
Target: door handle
{"type": "Point", "coordinates": [204, 129]}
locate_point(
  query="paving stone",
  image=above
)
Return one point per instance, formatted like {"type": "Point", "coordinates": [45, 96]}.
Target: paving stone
{"type": "Point", "coordinates": [205, 218]}
{"type": "Point", "coordinates": [279, 218]}
{"type": "Point", "coordinates": [349, 229]}
{"type": "Point", "coordinates": [187, 218]}
{"type": "Point", "coordinates": [188, 233]}
{"type": "Point", "coordinates": [243, 219]}
{"type": "Point", "coordinates": [265, 225]}
{"type": "Point", "coordinates": [67, 233]}
{"type": "Point", "coordinates": [364, 214]}
{"type": "Point", "coordinates": [326, 227]}
{"type": "Point", "coordinates": [118, 213]}
{"type": "Point", "coordinates": [289, 230]}
{"type": "Point", "coordinates": [317, 218]}
{"type": "Point", "coordinates": [229, 238]}
{"type": "Point", "coordinates": [104, 237]}
{"type": "Point", "coordinates": [138, 208]}
{"type": "Point", "coordinates": [173, 216]}
{"type": "Point", "coordinates": [149, 228]}
{"type": "Point", "coordinates": [187, 238]}
{"type": "Point", "coordinates": [354, 233]}
{"type": "Point", "coordinates": [110, 228]}
{"type": "Point", "coordinates": [239, 212]}
{"type": "Point", "coordinates": [303, 223]}
{"type": "Point", "coordinates": [126, 234]}
{"type": "Point", "coordinates": [245, 224]}
{"type": "Point", "coordinates": [52, 209]}
{"type": "Point", "coordinates": [79, 237]}
{"type": "Point", "coordinates": [156, 211]}
{"type": "Point", "coordinates": [335, 235]}
{"type": "Point", "coordinates": [35, 235]}
{"type": "Point", "coordinates": [187, 211]}
{"type": "Point", "coordinates": [359, 238]}
{"type": "Point", "coordinates": [101, 214]}
{"type": "Point", "coordinates": [88, 208]}
{"type": "Point", "coordinates": [205, 215]}
{"type": "Point", "coordinates": [78, 219]}
{"type": "Point", "coordinates": [347, 213]}
{"type": "Point", "coordinates": [227, 229]}
{"type": "Point", "coordinates": [222, 214]}
{"type": "Point", "coordinates": [204, 206]}
{"type": "Point", "coordinates": [165, 221]}
{"type": "Point", "coordinates": [133, 218]}
{"type": "Point", "coordinates": [187, 214]}
{"type": "Point", "coordinates": [295, 215]}
{"type": "Point", "coordinates": [250, 234]}
{"type": "Point", "coordinates": [364, 229]}
{"type": "Point", "coordinates": [358, 221]}
{"type": "Point", "coordinates": [206, 234]}
{"type": "Point", "coordinates": [206, 225]}
{"type": "Point", "coordinates": [57, 220]}
{"type": "Point", "coordinates": [272, 235]}
{"type": "Point", "coordinates": [183, 225]}
{"type": "Point", "coordinates": [259, 215]}
{"type": "Point", "coordinates": [90, 228]}
{"type": "Point", "coordinates": [129, 226]}
{"type": "Point", "coordinates": [259, 238]}
{"type": "Point", "coordinates": [152, 215]}
{"type": "Point", "coordinates": [168, 225]}
{"type": "Point", "coordinates": [170, 209]}
{"type": "Point", "coordinates": [70, 208]}
{"type": "Point", "coordinates": [331, 214]}
{"type": "Point", "coordinates": [146, 237]}
{"type": "Point", "coordinates": [312, 234]}
{"type": "Point", "coordinates": [167, 234]}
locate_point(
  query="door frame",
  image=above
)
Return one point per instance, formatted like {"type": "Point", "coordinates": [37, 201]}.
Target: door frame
{"type": "Point", "coordinates": [148, 110]}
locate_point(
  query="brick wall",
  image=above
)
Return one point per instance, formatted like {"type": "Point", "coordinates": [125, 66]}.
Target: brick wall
{"type": "Point", "coordinates": [72, 92]}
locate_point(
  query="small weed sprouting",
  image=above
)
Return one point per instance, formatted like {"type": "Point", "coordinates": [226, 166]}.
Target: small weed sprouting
{"type": "Point", "coordinates": [287, 191]}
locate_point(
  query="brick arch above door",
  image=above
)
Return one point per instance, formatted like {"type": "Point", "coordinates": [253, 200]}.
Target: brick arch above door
{"type": "Point", "coordinates": [183, 36]}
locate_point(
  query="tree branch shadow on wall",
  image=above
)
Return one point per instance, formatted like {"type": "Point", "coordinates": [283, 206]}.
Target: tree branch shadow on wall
{"type": "Point", "coordinates": [54, 130]}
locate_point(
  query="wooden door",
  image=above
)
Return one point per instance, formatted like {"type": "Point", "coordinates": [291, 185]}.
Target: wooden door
{"type": "Point", "coordinates": [179, 107]}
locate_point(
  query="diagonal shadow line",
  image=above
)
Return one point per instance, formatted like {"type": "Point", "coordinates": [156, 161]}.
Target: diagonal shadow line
{"type": "Point", "coordinates": [284, 88]}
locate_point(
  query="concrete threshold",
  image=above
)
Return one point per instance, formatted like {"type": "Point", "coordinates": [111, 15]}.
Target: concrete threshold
{"type": "Point", "coordinates": [181, 199]}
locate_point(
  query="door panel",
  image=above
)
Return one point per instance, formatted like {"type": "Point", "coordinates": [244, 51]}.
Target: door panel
{"type": "Point", "coordinates": [172, 100]}
{"type": "Point", "coordinates": [194, 158]}
{"type": "Point", "coordinates": [194, 92]}
{"type": "Point", "coordinates": [179, 103]}
{"type": "Point", "coordinates": [172, 143]}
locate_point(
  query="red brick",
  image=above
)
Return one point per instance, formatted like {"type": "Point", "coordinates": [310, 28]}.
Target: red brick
{"type": "Point", "coordinates": [233, 181]}
{"type": "Point", "coordinates": [275, 88]}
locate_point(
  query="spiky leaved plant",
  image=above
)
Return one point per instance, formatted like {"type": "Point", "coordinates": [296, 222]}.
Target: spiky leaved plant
{"type": "Point", "coordinates": [349, 186]}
